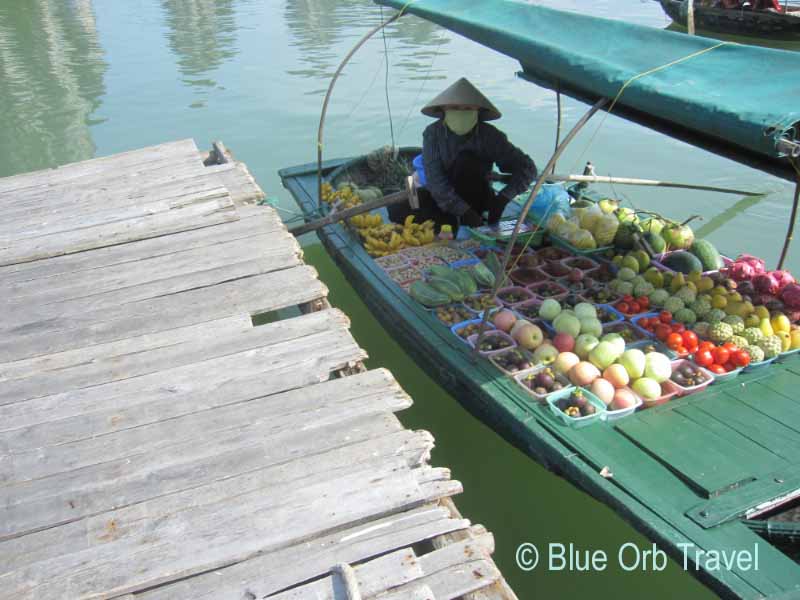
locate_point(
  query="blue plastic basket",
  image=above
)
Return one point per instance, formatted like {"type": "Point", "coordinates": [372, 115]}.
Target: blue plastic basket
{"type": "Point", "coordinates": [576, 422]}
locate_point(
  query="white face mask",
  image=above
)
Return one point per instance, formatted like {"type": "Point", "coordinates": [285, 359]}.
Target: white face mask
{"type": "Point", "coordinates": [460, 122]}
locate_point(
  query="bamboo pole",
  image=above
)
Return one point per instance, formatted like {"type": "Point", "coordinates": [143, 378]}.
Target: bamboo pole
{"type": "Point", "coordinates": [336, 74]}
{"type": "Point", "coordinates": [651, 183]}
{"type": "Point", "coordinates": [790, 230]}
{"type": "Point", "coordinates": [690, 17]}
{"type": "Point", "coordinates": [528, 203]}
{"type": "Point", "coordinates": [339, 215]}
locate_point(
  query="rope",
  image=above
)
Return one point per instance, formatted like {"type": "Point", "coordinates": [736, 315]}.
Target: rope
{"type": "Point", "coordinates": [386, 81]}
{"type": "Point", "coordinates": [636, 78]}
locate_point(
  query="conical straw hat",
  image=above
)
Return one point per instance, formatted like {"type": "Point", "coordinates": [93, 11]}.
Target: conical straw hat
{"type": "Point", "coordinates": [461, 93]}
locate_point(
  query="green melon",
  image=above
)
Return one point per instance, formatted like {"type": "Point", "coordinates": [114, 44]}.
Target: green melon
{"type": "Point", "coordinates": [707, 254]}
{"type": "Point", "coordinates": [683, 262]}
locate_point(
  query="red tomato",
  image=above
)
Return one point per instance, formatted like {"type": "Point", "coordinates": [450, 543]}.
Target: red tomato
{"type": "Point", "coordinates": [634, 307]}
{"type": "Point", "coordinates": [674, 340]}
{"type": "Point", "coordinates": [627, 298]}
{"type": "Point", "coordinates": [662, 331]}
{"type": "Point", "coordinates": [665, 317]}
{"type": "Point", "coordinates": [678, 328]}
{"type": "Point", "coordinates": [690, 338]}
{"type": "Point", "coordinates": [730, 346]}
{"type": "Point", "coordinates": [682, 350]}
{"type": "Point", "coordinates": [643, 301]}
{"type": "Point", "coordinates": [704, 358]}
{"type": "Point", "coordinates": [716, 369]}
{"type": "Point", "coordinates": [623, 307]}
{"type": "Point", "coordinates": [728, 367]}
{"type": "Point", "coordinates": [706, 345]}
{"type": "Point", "coordinates": [721, 355]}
{"type": "Point", "coordinates": [740, 358]}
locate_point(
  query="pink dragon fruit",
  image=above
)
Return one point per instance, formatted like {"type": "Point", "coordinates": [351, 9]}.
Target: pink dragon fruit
{"type": "Point", "coordinates": [791, 296]}
{"type": "Point", "coordinates": [784, 278]}
{"type": "Point", "coordinates": [741, 271]}
{"type": "Point", "coordinates": [767, 283]}
{"type": "Point", "coordinates": [758, 265]}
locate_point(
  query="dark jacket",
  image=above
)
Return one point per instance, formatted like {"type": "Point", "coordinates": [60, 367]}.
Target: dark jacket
{"type": "Point", "coordinates": [440, 146]}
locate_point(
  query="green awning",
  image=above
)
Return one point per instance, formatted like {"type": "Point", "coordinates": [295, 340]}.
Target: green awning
{"type": "Point", "coordinates": [738, 100]}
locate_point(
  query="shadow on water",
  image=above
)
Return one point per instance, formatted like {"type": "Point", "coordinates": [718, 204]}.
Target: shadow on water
{"type": "Point", "coordinates": [505, 490]}
{"type": "Point", "coordinates": [51, 82]}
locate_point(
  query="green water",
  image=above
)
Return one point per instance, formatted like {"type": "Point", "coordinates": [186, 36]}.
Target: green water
{"type": "Point", "coordinates": [80, 78]}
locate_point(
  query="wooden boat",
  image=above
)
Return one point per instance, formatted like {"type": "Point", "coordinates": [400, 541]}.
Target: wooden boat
{"type": "Point", "coordinates": [737, 21]}
{"type": "Point", "coordinates": [694, 474]}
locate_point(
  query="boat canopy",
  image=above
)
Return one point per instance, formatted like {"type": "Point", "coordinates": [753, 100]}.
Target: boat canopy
{"type": "Point", "coordinates": [737, 100]}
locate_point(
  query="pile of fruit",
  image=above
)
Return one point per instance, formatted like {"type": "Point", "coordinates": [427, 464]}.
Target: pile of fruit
{"type": "Point", "coordinates": [576, 405]}
{"type": "Point", "coordinates": [382, 239]}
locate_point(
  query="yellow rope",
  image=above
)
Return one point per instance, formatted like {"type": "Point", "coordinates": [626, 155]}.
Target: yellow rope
{"type": "Point", "coordinates": [635, 78]}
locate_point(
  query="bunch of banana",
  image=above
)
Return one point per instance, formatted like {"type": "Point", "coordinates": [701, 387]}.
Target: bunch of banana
{"type": "Point", "coordinates": [344, 197]}
{"type": "Point", "coordinates": [415, 234]}
{"type": "Point", "coordinates": [366, 221]}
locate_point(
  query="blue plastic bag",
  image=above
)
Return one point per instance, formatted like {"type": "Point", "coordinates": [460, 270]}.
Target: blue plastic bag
{"type": "Point", "coordinates": [551, 199]}
{"type": "Point", "coordinates": [419, 166]}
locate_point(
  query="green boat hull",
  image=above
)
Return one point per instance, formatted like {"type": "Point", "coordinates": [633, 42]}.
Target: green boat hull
{"type": "Point", "coordinates": [678, 498]}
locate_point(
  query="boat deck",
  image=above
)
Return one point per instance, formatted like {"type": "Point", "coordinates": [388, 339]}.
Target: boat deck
{"type": "Point", "coordinates": [686, 472]}
{"type": "Point", "coordinates": [155, 443]}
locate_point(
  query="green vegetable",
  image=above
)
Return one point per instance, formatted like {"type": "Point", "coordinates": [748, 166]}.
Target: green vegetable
{"type": "Point", "coordinates": [445, 286]}
{"type": "Point", "coordinates": [427, 295]}
{"type": "Point", "coordinates": [707, 255]}
{"type": "Point", "coordinates": [466, 283]}
{"type": "Point", "coordinates": [683, 262]}
{"type": "Point", "coordinates": [483, 275]}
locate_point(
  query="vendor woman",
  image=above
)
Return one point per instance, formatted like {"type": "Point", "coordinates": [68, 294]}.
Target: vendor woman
{"type": "Point", "coordinates": [459, 152]}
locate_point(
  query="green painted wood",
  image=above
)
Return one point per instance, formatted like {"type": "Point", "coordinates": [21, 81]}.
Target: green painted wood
{"type": "Point", "coordinates": [643, 490]}
{"type": "Point", "coordinates": [727, 412]}
{"type": "Point", "coordinates": [707, 461]}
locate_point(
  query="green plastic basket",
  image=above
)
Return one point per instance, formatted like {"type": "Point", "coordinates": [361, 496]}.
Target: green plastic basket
{"type": "Point", "coordinates": [531, 238]}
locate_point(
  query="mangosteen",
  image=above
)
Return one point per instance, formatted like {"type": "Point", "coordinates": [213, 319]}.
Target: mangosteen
{"type": "Point", "coordinates": [588, 409]}
{"type": "Point", "coordinates": [544, 379]}
{"type": "Point", "coordinates": [540, 390]}
{"type": "Point", "coordinates": [557, 385]}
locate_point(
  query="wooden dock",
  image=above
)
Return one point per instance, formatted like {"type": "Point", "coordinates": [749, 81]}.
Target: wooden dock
{"type": "Point", "coordinates": [155, 444]}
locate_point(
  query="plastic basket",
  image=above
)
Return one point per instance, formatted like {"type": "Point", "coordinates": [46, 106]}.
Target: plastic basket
{"type": "Point", "coordinates": [619, 327]}
{"type": "Point", "coordinates": [523, 308]}
{"type": "Point", "coordinates": [391, 262]}
{"type": "Point", "coordinates": [533, 236]}
{"type": "Point", "coordinates": [657, 345]}
{"type": "Point", "coordinates": [493, 333]}
{"type": "Point", "coordinates": [540, 398]}
{"type": "Point", "coordinates": [496, 302]}
{"type": "Point", "coordinates": [619, 317]}
{"type": "Point", "coordinates": [576, 422]}
{"type": "Point", "coordinates": [467, 316]}
{"type": "Point", "coordinates": [527, 276]}
{"type": "Point", "coordinates": [669, 391]}
{"type": "Point", "coordinates": [552, 253]}
{"type": "Point", "coordinates": [691, 389]}
{"type": "Point", "coordinates": [538, 286]}
{"type": "Point", "coordinates": [459, 326]}
{"type": "Point", "coordinates": [516, 289]}
{"type": "Point", "coordinates": [722, 377]}
{"type": "Point", "coordinates": [508, 351]}
{"type": "Point", "coordinates": [582, 263]}
{"type": "Point", "coordinates": [753, 366]}
{"type": "Point", "coordinates": [562, 243]}
{"type": "Point", "coordinates": [613, 415]}
{"type": "Point", "coordinates": [789, 353]}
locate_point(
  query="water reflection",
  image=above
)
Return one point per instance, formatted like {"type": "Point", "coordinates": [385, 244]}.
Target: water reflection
{"type": "Point", "coordinates": [202, 35]}
{"type": "Point", "coordinates": [323, 30]}
{"type": "Point", "coordinates": [51, 81]}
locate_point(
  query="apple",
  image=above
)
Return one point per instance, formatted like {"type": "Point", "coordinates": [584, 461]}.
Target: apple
{"type": "Point", "coordinates": [634, 362]}
{"type": "Point", "coordinates": [530, 337]}
{"type": "Point", "coordinates": [592, 325]}
{"type": "Point", "coordinates": [615, 339]}
{"type": "Point", "coordinates": [584, 344]}
{"type": "Point", "coordinates": [545, 354]}
{"type": "Point", "coordinates": [623, 399]}
{"type": "Point", "coordinates": [617, 375]}
{"type": "Point", "coordinates": [657, 367]}
{"type": "Point", "coordinates": [603, 390]}
{"type": "Point", "coordinates": [565, 361]}
{"type": "Point", "coordinates": [583, 373]}
{"type": "Point", "coordinates": [518, 324]}
{"type": "Point", "coordinates": [568, 324]}
{"type": "Point", "coordinates": [549, 309]}
{"type": "Point", "coordinates": [603, 355]}
{"type": "Point", "coordinates": [564, 342]}
{"type": "Point", "coordinates": [647, 388]}
{"type": "Point", "coordinates": [584, 310]}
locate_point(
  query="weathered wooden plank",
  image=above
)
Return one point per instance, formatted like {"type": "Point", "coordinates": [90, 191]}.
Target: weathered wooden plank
{"type": "Point", "coordinates": [142, 476]}
{"type": "Point", "coordinates": [272, 572]}
{"type": "Point", "coordinates": [214, 210]}
{"type": "Point", "coordinates": [310, 361]}
{"type": "Point", "coordinates": [252, 295]}
{"type": "Point", "coordinates": [226, 522]}
{"type": "Point", "coordinates": [98, 167]}
{"type": "Point", "coordinates": [281, 250]}
{"type": "Point", "coordinates": [239, 182]}
{"type": "Point", "coordinates": [448, 571]}
{"type": "Point", "coordinates": [263, 222]}
{"type": "Point", "coordinates": [420, 592]}
{"type": "Point", "coordinates": [104, 363]}
{"type": "Point", "coordinates": [116, 189]}
{"type": "Point", "coordinates": [149, 290]}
